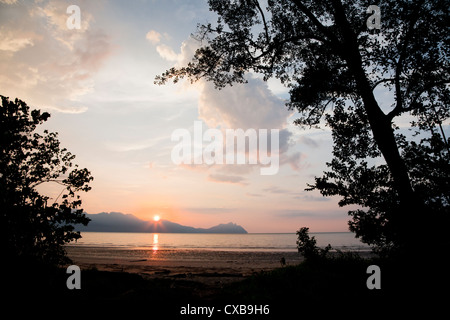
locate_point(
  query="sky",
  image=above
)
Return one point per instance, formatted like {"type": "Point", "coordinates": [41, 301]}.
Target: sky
{"type": "Point", "coordinates": [97, 81]}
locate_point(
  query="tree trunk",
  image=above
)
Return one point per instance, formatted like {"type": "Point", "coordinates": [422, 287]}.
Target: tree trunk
{"type": "Point", "coordinates": [383, 134]}
{"type": "Point", "coordinates": [406, 221]}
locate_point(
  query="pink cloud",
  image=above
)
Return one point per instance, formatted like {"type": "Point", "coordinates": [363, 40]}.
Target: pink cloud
{"type": "Point", "coordinates": [56, 65]}
{"type": "Point", "coordinates": [227, 179]}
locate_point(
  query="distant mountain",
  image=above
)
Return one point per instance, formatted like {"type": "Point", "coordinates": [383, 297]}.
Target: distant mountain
{"type": "Point", "coordinates": [120, 222]}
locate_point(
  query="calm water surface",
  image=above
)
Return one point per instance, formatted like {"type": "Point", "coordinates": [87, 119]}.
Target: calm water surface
{"type": "Point", "coordinates": [225, 242]}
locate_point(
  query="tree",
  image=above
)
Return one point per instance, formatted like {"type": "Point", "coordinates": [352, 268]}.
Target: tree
{"type": "Point", "coordinates": [306, 245]}
{"type": "Point", "coordinates": [333, 65]}
{"type": "Point", "coordinates": [370, 186]}
{"type": "Point", "coordinates": [33, 226]}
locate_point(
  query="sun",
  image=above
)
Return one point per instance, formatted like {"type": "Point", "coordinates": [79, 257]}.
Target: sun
{"type": "Point", "coordinates": [156, 218]}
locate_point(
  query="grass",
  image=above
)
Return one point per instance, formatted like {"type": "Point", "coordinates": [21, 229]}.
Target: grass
{"type": "Point", "coordinates": [339, 283]}
{"type": "Point", "coordinates": [339, 279]}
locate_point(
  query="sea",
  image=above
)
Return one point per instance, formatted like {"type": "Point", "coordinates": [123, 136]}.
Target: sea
{"type": "Point", "coordinates": [256, 242]}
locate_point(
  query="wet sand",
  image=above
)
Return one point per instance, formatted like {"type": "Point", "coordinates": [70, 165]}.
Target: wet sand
{"type": "Point", "coordinates": [206, 266]}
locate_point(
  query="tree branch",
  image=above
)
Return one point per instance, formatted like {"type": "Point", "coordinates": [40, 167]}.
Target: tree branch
{"type": "Point", "coordinates": [48, 180]}
{"type": "Point", "coordinates": [264, 21]}
{"type": "Point", "coordinates": [397, 111]}
{"type": "Point", "coordinates": [381, 81]}
{"type": "Point", "coordinates": [315, 21]}
{"type": "Point", "coordinates": [403, 52]}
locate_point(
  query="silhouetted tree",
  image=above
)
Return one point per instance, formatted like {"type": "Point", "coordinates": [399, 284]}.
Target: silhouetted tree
{"type": "Point", "coordinates": [323, 51]}
{"type": "Point", "coordinates": [34, 227]}
{"type": "Point", "coordinates": [360, 181]}
{"type": "Point", "coordinates": [307, 246]}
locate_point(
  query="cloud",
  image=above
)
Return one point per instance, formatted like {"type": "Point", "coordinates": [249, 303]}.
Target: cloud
{"type": "Point", "coordinates": [308, 141]}
{"type": "Point", "coordinates": [250, 194]}
{"type": "Point", "coordinates": [294, 160]}
{"type": "Point", "coordinates": [135, 144]}
{"type": "Point", "coordinates": [54, 13]}
{"type": "Point", "coordinates": [153, 36]}
{"type": "Point", "coordinates": [316, 214]}
{"type": "Point", "coordinates": [209, 210]}
{"type": "Point", "coordinates": [167, 53]}
{"type": "Point", "coordinates": [226, 179]}
{"type": "Point", "coordinates": [289, 213]}
{"type": "Point", "coordinates": [235, 169]}
{"type": "Point", "coordinates": [250, 105]}
{"type": "Point", "coordinates": [296, 194]}
{"type": "Point", "coordinates": [13, 42]}
{"type": "Point", "coordinates": [46, 64]}
{"type": "Point", "coordinates": [310, 198]}
{"type": "Point", "coordinates": [275, 189]}
{"type": "Point", "coordinates": [242, 106]}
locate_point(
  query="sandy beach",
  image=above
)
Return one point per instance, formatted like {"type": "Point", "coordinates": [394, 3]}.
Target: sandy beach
{"type": "Point", "coordinates": [206, 266]}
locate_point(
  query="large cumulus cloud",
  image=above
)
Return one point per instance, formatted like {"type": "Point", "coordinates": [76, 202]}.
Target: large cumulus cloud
{"type": "Point", "coordinates": [242, 106]}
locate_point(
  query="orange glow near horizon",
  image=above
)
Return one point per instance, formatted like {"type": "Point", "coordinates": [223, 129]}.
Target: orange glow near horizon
{"type": "Point", "coordinates": [147, 212]}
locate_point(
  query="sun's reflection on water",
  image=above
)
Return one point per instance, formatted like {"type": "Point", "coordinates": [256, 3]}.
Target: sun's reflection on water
{"type": "Point", "coordinates": [155, 242]}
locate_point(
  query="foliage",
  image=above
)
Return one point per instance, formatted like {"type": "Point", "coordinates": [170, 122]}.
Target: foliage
{"type": "Point", "coordinates": [313, 284]}
{"type": "Point", "coordinates": [33, 226]}
{"type": "Point", "coordinates": [334, 66]}
{"type": "Point", "coordinates": [371, 186]}
{"type": "Point", "coordinates": [306, 245]}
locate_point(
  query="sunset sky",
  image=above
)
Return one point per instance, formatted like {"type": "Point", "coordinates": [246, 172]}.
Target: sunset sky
{"type": "Point", "coordinates": [98, 84]}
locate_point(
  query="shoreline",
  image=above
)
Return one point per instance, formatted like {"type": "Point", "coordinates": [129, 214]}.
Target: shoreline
{"type": "Point", "coordinates": [209, 267]}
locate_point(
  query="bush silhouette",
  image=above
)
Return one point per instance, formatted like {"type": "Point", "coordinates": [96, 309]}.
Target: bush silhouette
{"type": "Point", "coordinates": [306, 245]}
